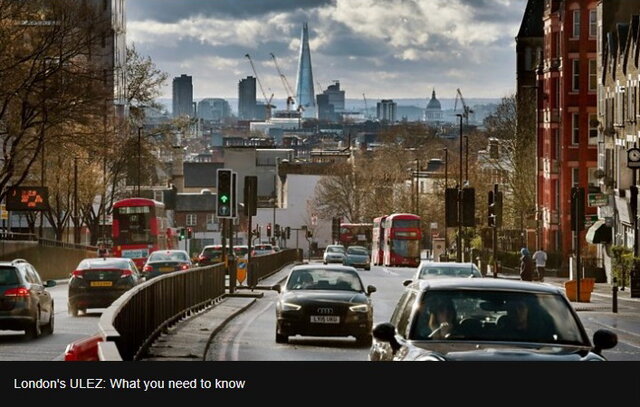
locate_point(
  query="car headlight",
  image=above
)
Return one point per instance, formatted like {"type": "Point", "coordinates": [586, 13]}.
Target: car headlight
{"type": "Point", "coordinates": [359, 308]}
{"type": "Point", "coordinates": [287, 306]}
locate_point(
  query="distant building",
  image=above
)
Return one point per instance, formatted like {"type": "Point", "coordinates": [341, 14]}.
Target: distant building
{"type": "Point", "coordinates": [304, 83]}
{"type": "Point", "coordinates": [214, 109]}
{"type": "Point", "coordinates": [386, 110]}
{"type": "Point", "coordinates": [247, 98]}
{"type": "Point", "coordinates": [433, 112]}
{"type": "Point", "coordinates": [183, 96]}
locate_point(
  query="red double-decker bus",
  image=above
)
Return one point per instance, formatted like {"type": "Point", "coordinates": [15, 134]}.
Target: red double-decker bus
{"type": "Point", "coordinates": [377, 240]}
{"type": "Point", "coordinates": [140, 227]}
{"type": "Point", "coordinates": [402, 237]}
{"type": "Point", "coordinates": [355, 234]}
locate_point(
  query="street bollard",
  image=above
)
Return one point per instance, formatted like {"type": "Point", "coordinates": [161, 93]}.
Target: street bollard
{"type": "Point", "coordinates": [614, 296]}
{"type": "Point", "coordinates": [233, 273]}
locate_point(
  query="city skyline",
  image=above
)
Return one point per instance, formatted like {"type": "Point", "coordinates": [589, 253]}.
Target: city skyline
{"type": "Point", "coordinates": [395, 50]}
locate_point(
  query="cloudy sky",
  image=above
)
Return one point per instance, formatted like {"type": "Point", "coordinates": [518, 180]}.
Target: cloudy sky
{"type": "Point", "coordinates": [383, 48]}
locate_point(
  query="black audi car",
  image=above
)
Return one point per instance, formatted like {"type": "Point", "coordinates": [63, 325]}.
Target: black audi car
{"type": "Point", "coordinates": [486, 319]}
{"type": "Point", "coordinates": [324, 300]}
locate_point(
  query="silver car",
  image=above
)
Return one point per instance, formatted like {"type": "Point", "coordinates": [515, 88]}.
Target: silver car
{"type": "Point", "coordinates": [427, 270]}
{"type": "Point", "coordinates": [334, 253]}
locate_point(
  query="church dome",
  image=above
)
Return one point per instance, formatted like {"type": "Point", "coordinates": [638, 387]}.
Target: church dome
{"type": "Point", "coordinates": [434, 104]}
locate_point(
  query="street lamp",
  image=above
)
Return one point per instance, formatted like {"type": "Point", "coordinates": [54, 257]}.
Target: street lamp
{"type": "Point", "coordinates": [459, 237]}
{"type": "Point", "coordinates": [446, 185]}
{"type": "Point", "coordinates": [139, 156]}
{"type": "Point", "coordinates": [417, 187]}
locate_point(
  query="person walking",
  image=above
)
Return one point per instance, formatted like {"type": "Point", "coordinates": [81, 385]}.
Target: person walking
{"type": "Point", "coordinates": [526, 265]}
{"type": "Point", "coordinates": [540, 258]}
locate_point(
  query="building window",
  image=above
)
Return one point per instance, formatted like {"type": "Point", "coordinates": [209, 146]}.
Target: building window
{"type": "Point", "coordinates": [593, 128]}
{"type": "Point", "coordinates": [575, 75]}
{"type": "Point", "coordinates": [576, 23]}
{"type": "Point", "coordinates": [593, 76]}
{"type": "Point", "coordinates": [211, 218]}
{"type": "Point", "coordinates": [575, 128]}
{"type": "Point", "coordinates": [192, 219]}
{"type": "Point", "coordinates": [593, 180]}
{"type": "Point", "coordinates": [593, 23]}
{"type": "Point", "coordinates": [575, 176]}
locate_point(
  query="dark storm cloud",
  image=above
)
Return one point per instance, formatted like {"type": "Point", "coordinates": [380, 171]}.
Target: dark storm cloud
{"type": "Point", "coordinates": [174, 10]}
{"type": "Point", "coordinates": [342, 41]}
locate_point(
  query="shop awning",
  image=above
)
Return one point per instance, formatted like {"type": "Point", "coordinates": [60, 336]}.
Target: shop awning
{"type": "Point", "coordinates": [599, 232]}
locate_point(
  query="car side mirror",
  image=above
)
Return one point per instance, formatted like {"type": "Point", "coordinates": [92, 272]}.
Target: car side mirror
{"type": "Point", "coordinates": [406, 282]}
{"type": "Point", "coordinates": [276, 287]}
{"type": "Point", "coordinates": [386, 332]}
{"type": "Point", "coordinates": [371, 289]}
{"type": "Point", "coordinates": [604, 339]}
{"type": "Point", "coordinates": [50, 283]}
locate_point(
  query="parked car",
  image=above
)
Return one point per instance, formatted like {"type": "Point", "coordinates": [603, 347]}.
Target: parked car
{"type": "Point", "coordinates": [357, 256]}
{"type": "Point", "coordinates": [444, 269]}
{"type": "Point", "coordinates": [25, 303]}
{"type": "Point", "coordinates": [241, 251]}
{"type": "Point", "coordinates": [166, 261]}
{"type": "Point", "coordinates": [324, 300]}
{"type": "Point", "coordinates": [262, 249]}
{"type": "Point", "coordinates": [98, 281]}
{"type": "Point", "coordinates": [334, 253]}
{"type": "Point", "coordinates": [483, 319]}
{"type": "Point", "coordinates": [210, 254]}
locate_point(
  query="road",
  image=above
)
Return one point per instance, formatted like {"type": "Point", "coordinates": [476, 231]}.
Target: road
{"type": "Point", "coordinates": [15, 347]}
{"type": "Point", "coordinates": [251, 336]}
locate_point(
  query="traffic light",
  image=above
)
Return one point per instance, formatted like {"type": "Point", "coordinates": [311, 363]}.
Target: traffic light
{"type": "Point", "coordinates": [269, 230]}
{"type": "Point", "coordinates": [469, 207]}
{"type": "Point", "coordinates": [182, 233]}
{"type": "Point", "coordinates": [494, 216]}
{"type": "Point", "coordinates": [225, 197]}
{"type": "Point", "coordinates": [276, 230]}
{"type": "Point", "coordinates": [451, 207]}
{"type": "Point", "coordinates": [189, 233]}
{"type": "Point", "coordinates": [287, 233]}
{"type": "Point", "coordinates": [335, 228]}
{"type": "Point", "coordinates": [250, 195]}
{"type": "Point", "coordinates": [309, 233]}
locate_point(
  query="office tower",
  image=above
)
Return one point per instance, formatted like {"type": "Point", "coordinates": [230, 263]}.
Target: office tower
{"type": "Point", "coordinates": [182, 96]}
{"type": "Point", "coordinates": [386, 110]}
{"type": "Point", "coordinates": [305, 95]}
{"type": "Point", "coordinates": [247, 98]}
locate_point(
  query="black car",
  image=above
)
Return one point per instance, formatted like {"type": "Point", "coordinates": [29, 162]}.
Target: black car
{"type": "Point", "coordinates": [324, 300]}
{"type": "Point", "coordinates": [482, 319]}
{"type": "Point", "coordinates": [98, 281]}
{"type": "Point", "coordinates": [25, 304]}
{"type": "Point", "coordinates": [166, 261]}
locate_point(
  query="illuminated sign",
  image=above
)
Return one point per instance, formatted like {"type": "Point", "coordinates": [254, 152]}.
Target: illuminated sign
{"type": "Point", "coordinates": [28, 199]}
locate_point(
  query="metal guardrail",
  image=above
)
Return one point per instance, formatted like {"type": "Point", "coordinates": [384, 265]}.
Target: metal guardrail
{"type": "Point", "coordinates": [16, 236]}
{"type": "Point", "coordinates": [137, 318]}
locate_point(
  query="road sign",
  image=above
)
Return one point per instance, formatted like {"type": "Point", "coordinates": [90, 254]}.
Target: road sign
{"type": "Point", "coordinates": [3, 212]}
{"type": "Point", "coordinates": [28, 199]}
{"type": "Point", "coordinates": [241, 270]}
{"type": "Point", "coordinates": [598, 199]}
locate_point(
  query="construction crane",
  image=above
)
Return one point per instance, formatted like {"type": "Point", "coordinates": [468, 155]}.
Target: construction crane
{"type": "Point", "coordinates": [268, 105]}
{"type": "Point", "coordinates": [465, 108]}
{"type": "Point", "coordinates": [285, 83]}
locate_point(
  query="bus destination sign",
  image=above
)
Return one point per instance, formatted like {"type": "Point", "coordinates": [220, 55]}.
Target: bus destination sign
{"type": "Point", "coordinates": [27, 199]}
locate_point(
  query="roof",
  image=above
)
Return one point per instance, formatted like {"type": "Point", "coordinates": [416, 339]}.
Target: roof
{"type": "Point", "coordinates": [196, 202]}
{"type": "Point", "coordinates": [434, 104]}
{"type": "Point", "coordinates": [532, 25]}
{"type": "Point", "coordinates": [201, 174]}
{"type": "Point", "coordinates": [486, 284]}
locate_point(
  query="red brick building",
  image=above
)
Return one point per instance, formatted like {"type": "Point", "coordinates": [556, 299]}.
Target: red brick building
{"type": "Point", "coordinates": [567, 133]}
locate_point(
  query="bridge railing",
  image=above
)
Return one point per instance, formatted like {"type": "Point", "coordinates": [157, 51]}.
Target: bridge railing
{"type": "Point", "coordinates": [136, 319]}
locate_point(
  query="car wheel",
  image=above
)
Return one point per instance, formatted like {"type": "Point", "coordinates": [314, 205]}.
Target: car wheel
{"type": "Point", "coordinates": [73, 310]}
{"type": "Point", "coordinates": [364, 340]}
{"type": "Point", "coordinates": [325, 262]}
{"type": "Point", "coordinates": [48, 328]}
{"type": "Point", "coordinates": [280, 338]}
{"type": "Point", "coordinates": [34, 330]}
{"type": "Point", "coordinates": [368, 268]}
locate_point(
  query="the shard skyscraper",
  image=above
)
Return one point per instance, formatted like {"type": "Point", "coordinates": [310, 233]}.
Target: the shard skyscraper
{"type": "Point", "coordinates": [305, 96]}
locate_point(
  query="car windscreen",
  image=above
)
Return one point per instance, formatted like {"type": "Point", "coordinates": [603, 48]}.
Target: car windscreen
{"type": "Point", "coordinates": [335, 249]}
{"type": "Point", "coordinates": [171, 256]}
{"type": "Point", "coordinates": [212, 252]}
{"type": "Point", "coordinates": [100, 263]}
{"type": "Point", "coordinates": [8, 276]}
{"type": "Point", "coordinates": [359, 252]}
{"type": "Point", "coordinates": [324, 279]}
{"type": "Point", "coordinates": [461, 271]}
{"type": "Point", "coordinates": [487, 315]}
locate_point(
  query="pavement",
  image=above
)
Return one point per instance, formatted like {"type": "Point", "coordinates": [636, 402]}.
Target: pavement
{"type": "Point", "coordinates": [189, 339]}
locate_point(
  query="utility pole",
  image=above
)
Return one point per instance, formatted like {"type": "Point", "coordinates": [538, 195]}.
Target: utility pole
{"type": "Point", "coordinates": [139, 157]}
{"type": "Point", "coordinates": [446, 185]}
{"type": "Point", "coordinates": [459, 239]}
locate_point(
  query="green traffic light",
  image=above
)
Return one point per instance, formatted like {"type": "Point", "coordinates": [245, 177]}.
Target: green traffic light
{"type": "Point", "coordinates": [224, 198]}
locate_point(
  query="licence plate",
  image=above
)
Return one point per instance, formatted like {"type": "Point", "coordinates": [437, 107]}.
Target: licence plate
{"type": "Point", "coordinates": [325, 319]}
{"type": "Point", "coordinates": [101, 283]}
{"type": "Point", "coordinates": [167, 269]}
